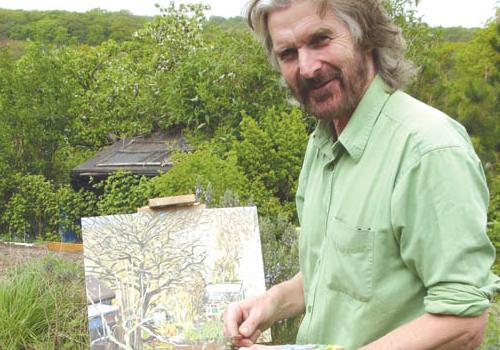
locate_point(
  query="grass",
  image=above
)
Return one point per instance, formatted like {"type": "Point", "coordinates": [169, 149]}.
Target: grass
{"type": "Point", "coordinates": [42, 306]}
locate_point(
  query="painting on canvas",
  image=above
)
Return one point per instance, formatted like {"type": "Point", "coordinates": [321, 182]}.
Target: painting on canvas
{"type": "Point", "coordinates": [160, 281]}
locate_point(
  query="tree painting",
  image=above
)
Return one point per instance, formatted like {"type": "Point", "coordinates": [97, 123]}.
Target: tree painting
{"type": "Point", "coordinates": [174, 272]}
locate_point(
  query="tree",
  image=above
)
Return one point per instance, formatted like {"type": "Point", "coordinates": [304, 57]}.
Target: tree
{"type": "Point", "coordinates": [210, 88]}
{"type": "Point", "coordinates": [35, 108]}
{"type": "Point", "coordinates": [32, 210]}
{"type": "Point", "coordinates": [140, 257]}
{"type": "Point", "coordinates": [271, 152]}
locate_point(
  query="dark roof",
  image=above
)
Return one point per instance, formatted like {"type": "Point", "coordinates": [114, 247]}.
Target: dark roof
{"type": "Point", "coordinates": [140, 155]}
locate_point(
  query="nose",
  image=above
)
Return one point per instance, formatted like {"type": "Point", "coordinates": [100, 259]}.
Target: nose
{"type": "Point", "coordinates": [309, 64]}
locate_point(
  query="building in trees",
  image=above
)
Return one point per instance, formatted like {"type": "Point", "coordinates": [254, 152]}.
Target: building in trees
{"type": "Point", "coordinates": [145, 156]}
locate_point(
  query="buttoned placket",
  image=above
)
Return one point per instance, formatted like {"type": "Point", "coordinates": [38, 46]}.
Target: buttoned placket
{"type": "Point", "coordinates": [328, 167]}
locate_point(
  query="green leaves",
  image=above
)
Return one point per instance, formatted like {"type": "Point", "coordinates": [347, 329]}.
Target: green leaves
{"type": "Point", "coordinates": [204, 172]}
{"type": "Point", "coordinates": [123, 192]}
{"type": "Point", "coordinates": [37, 208]}
{"type": "Point", "coordinates": [271, 152]}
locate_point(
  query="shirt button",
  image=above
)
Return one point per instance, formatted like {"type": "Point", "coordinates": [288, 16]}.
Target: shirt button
{"type": "Point", "coordinates": [309, 308]}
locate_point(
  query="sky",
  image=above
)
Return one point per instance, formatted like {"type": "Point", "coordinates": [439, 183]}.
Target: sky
{"type": "Point", "coordinates": [446, 13]}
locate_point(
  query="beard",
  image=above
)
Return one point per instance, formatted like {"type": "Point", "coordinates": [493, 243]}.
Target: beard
{"type": "Point", "coordinates": [339, 101]}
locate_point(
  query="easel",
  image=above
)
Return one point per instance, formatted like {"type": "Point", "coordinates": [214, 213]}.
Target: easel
{"type": "Point", "coordinates": [163, 204]}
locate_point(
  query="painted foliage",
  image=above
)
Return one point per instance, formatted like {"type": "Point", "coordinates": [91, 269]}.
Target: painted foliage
{"type": "Point", "coordinates": [171, 273]}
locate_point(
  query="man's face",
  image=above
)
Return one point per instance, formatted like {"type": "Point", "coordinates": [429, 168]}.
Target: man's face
{"type": "Point", "coordinates": [323, 67]}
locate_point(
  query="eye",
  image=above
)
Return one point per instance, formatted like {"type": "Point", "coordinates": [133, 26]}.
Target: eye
{"type": "Point", "coordinates": [287, 54]}
{"type": "Point", "coordinates": [321, 40]}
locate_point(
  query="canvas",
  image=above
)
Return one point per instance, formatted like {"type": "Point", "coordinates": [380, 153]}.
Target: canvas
{"type": "Point", "coordinates": [163, 280]}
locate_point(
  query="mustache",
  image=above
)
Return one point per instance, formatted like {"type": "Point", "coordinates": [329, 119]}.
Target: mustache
{"type": "Point", "coordinates": [306, 84]}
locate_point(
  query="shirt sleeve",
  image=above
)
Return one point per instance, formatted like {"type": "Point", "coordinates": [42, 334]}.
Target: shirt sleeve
{"type": "Point", "coordinates": [439, 209]}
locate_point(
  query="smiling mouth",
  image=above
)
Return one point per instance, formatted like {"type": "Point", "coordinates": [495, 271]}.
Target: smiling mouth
{"type": "Point", "coordinates": [320, 86]}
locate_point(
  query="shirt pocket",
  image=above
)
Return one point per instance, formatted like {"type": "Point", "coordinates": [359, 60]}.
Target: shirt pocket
{"type": "Point", "coordinates": [348, 258]}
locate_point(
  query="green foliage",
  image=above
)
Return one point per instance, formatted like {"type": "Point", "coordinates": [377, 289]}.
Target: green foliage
{"type": "Point", "coordinates": [420, 38]}
{"type": "Point", "coordinates": [271, 153]}
{"type": "Point", "coordinates": [119, 84]}
{"type": "Point", "coordinates": [494, 216]}
{"type": "Point", "coordinates": [35, 98]}
{"type": "Point", "coordinates": [491, 340]}
{"type": "Point", "coordinates": [38, 209]}
{"type": "Point", "coordinates": [113, 95]}
{"type": "Point", "coordinates": [462, 80]}
{"type": "Point", "coordinates": [457, 34]}
{"type": "Point", "coordinates": [176, 33]}
{"type": "Point", "coordinates": [123, 193]}
{"type": "Point", "coordinates": [204, 173]}
{"type": "Point", "coordinates": [43, 306]}
{"type": "Point", "coordinates": [62, 27]}
{"type": "Point", "coordinates": [281, 262]}
{"type": "Point", "coordinates": [228, 23]}
{"type": "Point", "coordinates": [72, 206]}
{"type": "Point", "coordinates": [210, 88]}
{"type": "Point", "coordinates": [32, 210]}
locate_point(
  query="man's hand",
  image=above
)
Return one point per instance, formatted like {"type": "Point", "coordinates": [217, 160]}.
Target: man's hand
{"type": "Point", "coordinates": [246, 320]}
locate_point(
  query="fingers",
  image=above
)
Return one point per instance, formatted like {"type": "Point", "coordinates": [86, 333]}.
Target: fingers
{"type": "Point", "coordinates": [255, 336]}
{"type": "Point", "coordinates": [244, 320]}
{"type": "Point", "coordinates": [233, 316]}
{"type": "Point", "coordinates": [241, 323]}
{"type": "Point", "coordinates": [246, 342]}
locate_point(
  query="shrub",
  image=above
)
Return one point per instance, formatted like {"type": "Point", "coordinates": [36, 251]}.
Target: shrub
{"type": "Point", "coordinates": [271, 152]}
{"type": "Point", "coordinates": [123, 193]}
{"type": "Point", "coordinates": [37, 208]}
{"type": "Point", "coordinates": [281, 262]}
{"type": "Point", "coordinates": [32, 210]}
{"type": "Point", "coordinates": [204, 173]}
{"type": "Point", "coordinates": [494, 215]}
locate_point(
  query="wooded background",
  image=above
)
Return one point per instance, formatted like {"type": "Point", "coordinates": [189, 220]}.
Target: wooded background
{"type": "Point", "coordinates": [71, 83]}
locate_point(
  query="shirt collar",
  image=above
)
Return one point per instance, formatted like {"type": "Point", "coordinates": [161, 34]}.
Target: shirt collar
{"type": "Point", "coordinates": [357, 132]}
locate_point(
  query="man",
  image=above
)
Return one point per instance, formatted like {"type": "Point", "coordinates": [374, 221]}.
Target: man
{"type": "Point", "coordinates": [392, 199]}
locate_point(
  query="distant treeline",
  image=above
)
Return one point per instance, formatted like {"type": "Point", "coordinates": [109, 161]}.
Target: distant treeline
{"type": "Point", "coordinates": [61, 27]}
{"type": "Point", "coordinates": [96, 26]}
{"type": "Point", "coordinates": [92, 27]}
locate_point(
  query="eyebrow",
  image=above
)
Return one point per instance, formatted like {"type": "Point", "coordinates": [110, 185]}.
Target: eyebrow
{"type": "Point", "coordinates": [321, 31]}
{"type": "Point", "coordinates": [315, 34]}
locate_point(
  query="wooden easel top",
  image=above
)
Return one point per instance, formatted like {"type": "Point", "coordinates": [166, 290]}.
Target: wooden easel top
{"type": "Point", "coordinates": [162, 204]}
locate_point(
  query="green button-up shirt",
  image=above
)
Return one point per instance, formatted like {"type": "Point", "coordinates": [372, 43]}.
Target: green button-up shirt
{"type": "Point", "coordinates": [393, 222]}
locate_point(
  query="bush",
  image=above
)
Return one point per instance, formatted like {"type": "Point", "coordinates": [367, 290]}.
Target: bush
{"type": "Point", "coordinates": [271, 153]}
{"type": "Point", "coordinates": [281, 262]}
{"type": "Point", "coordinates": [204, 173]}
{"type": "Point", "coordinates": [32, 209]}
{"type": "Point", "coordinates": [123, 193]}
{"type": "Point", "coordinates": [43, 306]}
{"type": "Point", "coordinates": [73, 206]}
{"type": "Point", "coordinates": [494, 215]}
{"type": "Point", "coordinates": [38, 209]}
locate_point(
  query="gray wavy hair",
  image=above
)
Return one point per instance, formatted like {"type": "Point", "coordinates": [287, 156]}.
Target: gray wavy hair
{"type": "Point", "coordinates": [369, 24]}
